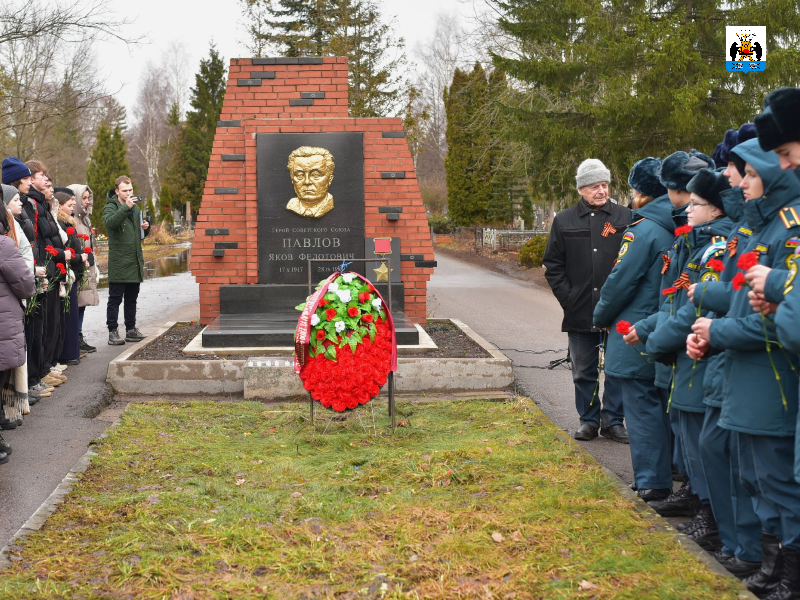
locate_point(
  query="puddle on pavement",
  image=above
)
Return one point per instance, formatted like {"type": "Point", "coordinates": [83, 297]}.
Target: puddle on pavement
{"type": "Point", "coordinates": [160, 267]}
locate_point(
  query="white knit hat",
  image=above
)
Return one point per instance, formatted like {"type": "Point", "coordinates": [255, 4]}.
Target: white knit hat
{"type": "Point", "coordinates": [592, 171]}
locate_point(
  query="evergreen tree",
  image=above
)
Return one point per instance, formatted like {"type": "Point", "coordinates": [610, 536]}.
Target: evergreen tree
{"type": "Point", "coordinates": [166, 204]}
{"type": "Point", "coordinates": [622, 79]}
{"type": "Point", "coordinates": [352, 28]}
{"type": "Point", "coordinates": [107, 162]}
{"type": "Point", "coordinates": [195, 139]}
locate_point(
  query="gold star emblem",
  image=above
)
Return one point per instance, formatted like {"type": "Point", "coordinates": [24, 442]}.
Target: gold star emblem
{"type": "Point", "coordinates": [382, 273]}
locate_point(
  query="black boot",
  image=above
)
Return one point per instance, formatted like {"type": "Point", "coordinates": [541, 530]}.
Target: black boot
{"type": "Point", "coordinates": [769, 576]}
{"type": "Point", "coordinates": [6, 423]}
{"type": "Point", "coordinates": [682, 503]}
{"type": "Point", "coordinates": [86, 347]}
{"type": "Point", "coordinates": [4, 446]}
{"type": "Point", "coordinates": [705, 534]}
{"type": "Point", "coordinates": [789, 586]}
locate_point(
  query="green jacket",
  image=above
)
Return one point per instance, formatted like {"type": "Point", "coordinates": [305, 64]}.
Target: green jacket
{"type": "Point", "coordinates": [123, 227]}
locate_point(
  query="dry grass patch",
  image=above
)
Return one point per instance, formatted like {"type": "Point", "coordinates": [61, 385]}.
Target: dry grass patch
{"type": "Point", "coordinates": [472, 499]}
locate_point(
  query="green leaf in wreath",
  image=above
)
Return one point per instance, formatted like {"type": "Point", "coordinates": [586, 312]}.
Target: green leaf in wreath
{"type": "Point", "coordinates": [300, 306]}
{"type": "Point", "coordinates": [330, 353]}
{"type": "Point", "coordinates": [372, 332]}
{"type": "Point", "coordinates": [353, 344]}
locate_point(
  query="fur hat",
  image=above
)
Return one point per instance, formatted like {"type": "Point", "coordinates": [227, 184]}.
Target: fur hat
{"type": "Point", "coordinates": [720, 154]}
{"type": "Point", "coordinates": [14, 169]}
{"type": "Point", "coordinates": [780, 121]}
{"type": "Point", "coordinates": [9, 192]}
{"type": "Point", "coordinates": [679, 168]}
{"type": "Point", "coordinates": [592, 171]}
{"type": "Point", "coordinates": [708, 184]}
{"type": "Point", "coordinates": [644, 177]}
{"type": "Point", "coordinates": [747, 132]}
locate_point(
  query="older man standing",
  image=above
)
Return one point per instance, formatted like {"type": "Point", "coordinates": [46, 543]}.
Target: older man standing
{"type": "Point", "coordinates": [584, 243]}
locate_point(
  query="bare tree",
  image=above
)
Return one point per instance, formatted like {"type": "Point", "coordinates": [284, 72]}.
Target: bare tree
{"type": "Point", "coordinates": [151, 134]}
{"type": "Point", "coordinates": [66, 20]}
{"type": "Point", "coordinates": [175, 62]}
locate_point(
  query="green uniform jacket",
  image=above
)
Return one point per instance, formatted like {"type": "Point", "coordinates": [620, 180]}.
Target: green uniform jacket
{"type": "Point", "coordinates": [674, 260]}
{"type": "Point", "coordinates": [633, 289]}
{"type": "Point", "coordinates": [753, 401]}
{"type": "Point", "coordinates": [123, 226]}
{"type": "Point", "coordinates": [706, 241]}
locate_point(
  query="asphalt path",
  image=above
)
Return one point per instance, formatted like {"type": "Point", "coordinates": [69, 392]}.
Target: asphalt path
{"type": "Point", "coordinates": [60, 428]}
{"type": "Point", "coordinates": [520, 315]}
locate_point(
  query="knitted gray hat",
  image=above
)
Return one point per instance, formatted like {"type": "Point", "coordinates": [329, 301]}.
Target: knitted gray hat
{"type": "Point", "coordinates": [9, 191]}
{"type": "Point", "coordinates": [592, 171]}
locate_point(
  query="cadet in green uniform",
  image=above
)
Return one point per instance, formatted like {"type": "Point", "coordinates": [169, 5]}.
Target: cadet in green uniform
{"type": "Point", "coordinates": [631, 293]}
{"type": "Point", "coordinates": [706, 241]}
{"type": "Point", "coordinates": [762, 408]}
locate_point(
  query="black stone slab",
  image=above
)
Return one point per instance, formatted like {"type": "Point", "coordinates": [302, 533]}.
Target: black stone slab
{"type": "Point", "coordinates": [233, 157]}
{"type": "Point", "coordinates": [229, 123]}
{"type": "Point", "coordinates": [312, 95]}
{"type": "Point", "coordinates": [426, 264]}
{"type": "Point", "coordinates": [218, 253]}
{"type": "Point", "coordinates": [248, 82]}
{"type": "Point", "coordinates": [393, 175]}
{"type": "Point", "coordinates": [393, 217]}
{"type": "Point", "coordinates": [301, 102]}
{"type": "Point", "coordinates": [262, 75]}
{"type": "Point", "coordinates": [393, 134]}
{"type": "Point", "coordinates": [286, 240]}
{"type": "Point", "coordinates": [277, 298]}
{"type": "Point", "coordinates": [221, 190]}
{"type": "Point", "coordinates": [277, 329]}
{"type": "Point", "coordinates": [390, 209]}
{"type": "Point", "coordinates": [218, 231]}
{"type": "Point", "coordinates": [226, 245]}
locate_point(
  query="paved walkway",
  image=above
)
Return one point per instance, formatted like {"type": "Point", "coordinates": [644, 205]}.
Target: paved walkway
{"type": "Point", "coordinates": [57, 432]}
{"type": "Point", "coordinates": [516, 314]}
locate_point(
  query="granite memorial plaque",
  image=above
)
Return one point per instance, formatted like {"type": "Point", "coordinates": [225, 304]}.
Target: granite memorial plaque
{"type": "Point", "coordinates": [310, 203]}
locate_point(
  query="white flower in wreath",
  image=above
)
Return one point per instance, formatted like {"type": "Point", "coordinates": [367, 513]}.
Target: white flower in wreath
{"type": "Point", "coordinates": [334, 287]}
{"type": "Point", "coordinates": [377, 303]}
{"type": "Point", "coordinates": [344, 296]}
{"type": "Point", "coordinates": [314, 320]}
{"type": "Point", "coordinates": [348, 277]}
{"type": "Point", "coordinates": [339, 326]}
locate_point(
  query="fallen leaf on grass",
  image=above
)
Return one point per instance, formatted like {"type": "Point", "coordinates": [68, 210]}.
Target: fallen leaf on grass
{"type": "Point", "coordinates": [516, 536]}
{"type": "Point", "coordinates": [183, 594]}
{"type": "Point", "coordinates": [497, 537]}
{"type": "Point", "coordinates": [489, 450]}
{"type": "Point", "coordinates": [565, 553]}
{"type": "Point", "coordinates": [586, 585]}
{"type": "Point", "coordinates": [296, 495]}
{"type": "Point", "coordinates": [240, 481]}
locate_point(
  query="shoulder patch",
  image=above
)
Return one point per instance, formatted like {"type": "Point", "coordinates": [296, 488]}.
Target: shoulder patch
{"type": "Point", "coordinates": [745, 231]}
{"type": "Point", "coordinates": [762, 248]}
{"type": "Point", "coordinates": [629, 236]}
{"type": "Point", "coordinates": [793, 242]}
{"type": "Point", "coordinates": [793, 268]}
{"type": "Point", "coordinates": [790, 217]}
{"type": "Point", "coordinates": [623, 250]}
{"type": "Point", "coordinates": [709, 275]}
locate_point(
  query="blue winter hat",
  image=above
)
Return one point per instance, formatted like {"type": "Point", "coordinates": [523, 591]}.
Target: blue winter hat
{"type": "Point", "coordinates": [720, 155]}
{"type": "Point", "coordinates": [708, 184]}
{"type": "Point", "coordinates": [14, 169]}
{"type": "Point", "coordinates": [644, 177]}
{"type": "Point", "coordinates": [747, 132]}
{"type": "Point", "coordinates": [678, 168]}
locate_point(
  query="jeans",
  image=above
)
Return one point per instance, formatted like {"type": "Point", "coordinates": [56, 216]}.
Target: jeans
{"type": "Point", "coordinates": [584, 352]}
{"type": "Point", "coordinates": [116, 292]}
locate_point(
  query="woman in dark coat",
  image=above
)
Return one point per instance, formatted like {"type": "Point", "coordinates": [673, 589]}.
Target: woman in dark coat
{"type": "Point", "coordinates": [69, 340]}
{"type": "Point", "coordinates": [16, 284]}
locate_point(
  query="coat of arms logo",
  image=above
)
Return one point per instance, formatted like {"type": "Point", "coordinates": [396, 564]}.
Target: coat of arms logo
{"type": "Point", "coordinates": [746, 48]}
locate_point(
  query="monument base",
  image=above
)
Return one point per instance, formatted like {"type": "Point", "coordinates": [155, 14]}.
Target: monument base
{"type": "Point", "coordinates": [265, 315]}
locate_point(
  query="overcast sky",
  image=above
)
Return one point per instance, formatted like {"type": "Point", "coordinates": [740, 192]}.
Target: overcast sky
{"type": "Point", "coordinates": [197, 22]}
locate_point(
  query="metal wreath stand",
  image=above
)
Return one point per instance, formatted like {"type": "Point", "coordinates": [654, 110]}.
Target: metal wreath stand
{"type": "Point", "coordinates": [390, 379]}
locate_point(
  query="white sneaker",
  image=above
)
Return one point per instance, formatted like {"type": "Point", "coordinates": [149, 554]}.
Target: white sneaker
{"type": "Point", "coordinates": [59, 367]}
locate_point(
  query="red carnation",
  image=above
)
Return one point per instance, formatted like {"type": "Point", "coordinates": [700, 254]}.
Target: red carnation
{"type": "Point", "coordinates": [330, 313]}
{"type": "Point", "coordinates": [62, 268]}
{"type": "Point", "coordinates": [366, 318]}
{"type": "Point", "coordinates": [738, 281]}
{"type": "Point", "coordinates": [716, 265]}
{"type": "Point", "coordinates": [70, 231]}
{"type": "Point", "coordinates": [363, 297]}
{"type": "Point", "coordinates": [352, 311]}
{"type": "Point", "coordinates": [683, 230]}
{"type": "Point", "coordinates": [747, 260]}
{"type": "Point", "coordinates": [320, 334]}
{"type": "Point", "coordinates": [669, 291]}
{"type": "Point", "coordinates": [323, 303]}
{"type": "Point", "coordinates": [623, 327]}
{"type": "Point", "coordinates": [51, 251]}
{"type": "Point", "coordinates": [87, 250]}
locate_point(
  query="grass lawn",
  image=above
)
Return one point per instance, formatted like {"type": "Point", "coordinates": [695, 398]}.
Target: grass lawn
{"type": "Point", "coordinates": [471, 499]}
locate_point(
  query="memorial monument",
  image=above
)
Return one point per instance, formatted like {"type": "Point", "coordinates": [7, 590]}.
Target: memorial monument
{"type": "Point", "coordinates": [292, 177]}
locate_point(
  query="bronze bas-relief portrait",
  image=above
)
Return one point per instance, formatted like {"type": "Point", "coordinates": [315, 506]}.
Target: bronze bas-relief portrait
{"type": "Point", "coordinates": [311, 170]}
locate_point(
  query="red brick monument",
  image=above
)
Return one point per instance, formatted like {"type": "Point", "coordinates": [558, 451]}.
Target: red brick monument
{"type": "Point", "coordinates": [293, 177]}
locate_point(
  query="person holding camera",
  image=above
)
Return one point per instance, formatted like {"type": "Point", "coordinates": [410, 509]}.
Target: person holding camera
{"type": "Point", "coordinates": [126, 229]}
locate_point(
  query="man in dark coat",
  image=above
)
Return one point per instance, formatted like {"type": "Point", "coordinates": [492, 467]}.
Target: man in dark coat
{"type": "Point", "coordinates": [126, 229]}
{"type": "Point", "coordinates": [583, 245]}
